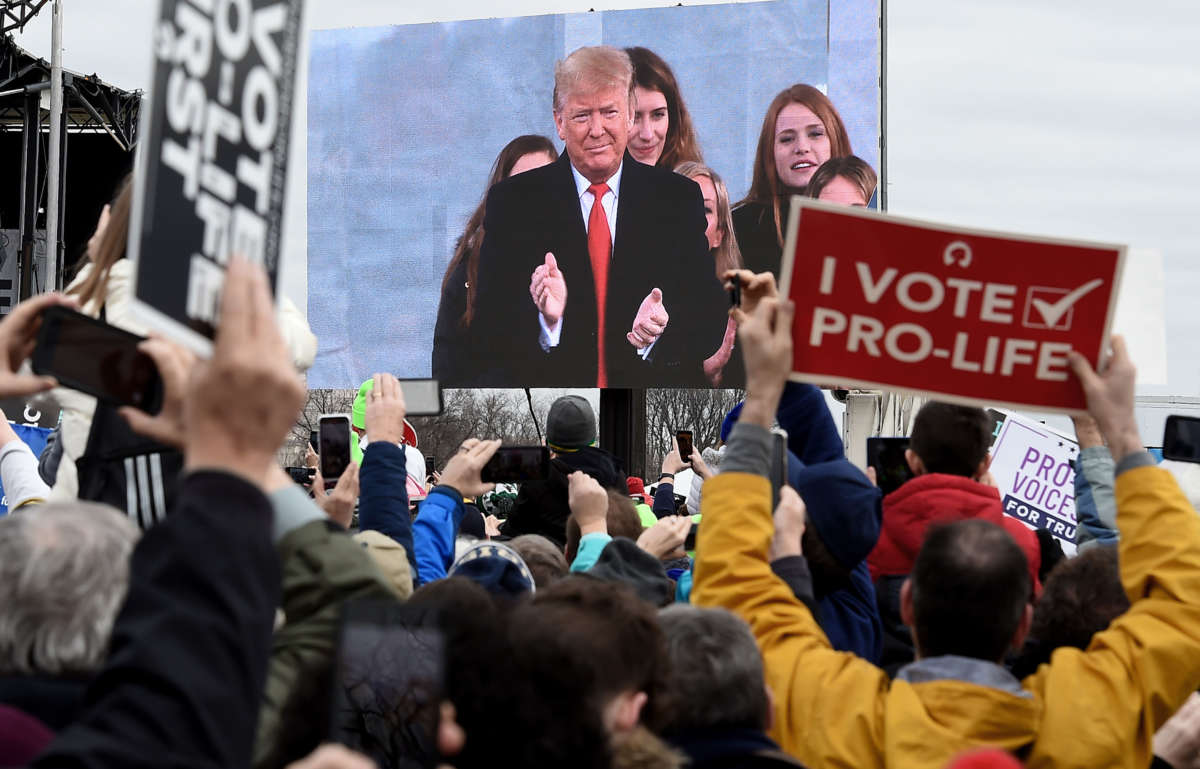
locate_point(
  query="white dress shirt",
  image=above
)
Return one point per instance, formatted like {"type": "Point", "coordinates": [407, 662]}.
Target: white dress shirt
{"type": "Point", "coordinates": [551, 335]}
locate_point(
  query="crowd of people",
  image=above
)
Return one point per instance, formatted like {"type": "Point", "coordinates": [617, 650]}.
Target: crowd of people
{"type": "Point", "coordinates": [206, 610]}
{"type": "Point", "coordinates": [664, 321]}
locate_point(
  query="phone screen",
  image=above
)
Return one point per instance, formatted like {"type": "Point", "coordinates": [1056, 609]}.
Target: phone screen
{"type": "Point", "coordinates": [689, 543]}
{"type": "Point", "coordinates": [684, 439]}
{"type": "Point", "coordinates": [389, 683]}
{"type": "Point", "coordinates": [314, 440]}
{"type": "Point", "coordinates": [779, 477]}
{"type": "Point", "coordinates": [517, 463]}
{"type": "Point", "coordinates": [1181, 438]}
{"type": "Point", "coordinates": [886, 455]}
{"type": "Point", "coordinates": [93, 357]}
{"type": "Point", "coordinates": [334, 440]}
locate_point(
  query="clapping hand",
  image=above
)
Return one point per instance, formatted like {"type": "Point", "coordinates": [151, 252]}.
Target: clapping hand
{"type": "Point", "coordinates": [649, 323]}
{"type": "Point", "coordinates": [548, 288]}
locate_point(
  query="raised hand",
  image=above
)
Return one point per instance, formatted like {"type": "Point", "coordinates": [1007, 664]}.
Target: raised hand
{"type": "Point", "coordinates": [462, 472]}
{"type": "Point", "coordinates": [766, 337]}
{"type": "Point", "coordinates": [755, 287]}
{"type": "Point", "coordinates": [1110, 398]}
{"type": "Point", "coordinates": [339, 503]}
{"type": "Point", "coordinates": [650, 321]}
{"type": "Point", "coordinates": [18, 335]}
{"type": "Point", "coordinates": [665, 539]}
{"type": "Point", "coordinates": [241, 404]}
{"type": "Point", "coordinates": [174, 364]}
{"type": "Point", "coordinates": [790, 519]}
{"type": "Point", "coordinates": [548, 288]}
{"type": "Point", "coordinates": [384, 416]}
{"type": "Point", "coordinates": [588, 502]}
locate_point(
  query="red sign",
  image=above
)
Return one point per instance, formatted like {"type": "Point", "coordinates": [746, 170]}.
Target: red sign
{"type": "Point", "coordinates": [967, 315]}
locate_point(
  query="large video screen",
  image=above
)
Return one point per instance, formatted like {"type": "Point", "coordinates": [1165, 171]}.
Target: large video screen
{"type": "Point", "coordinates": [471, 221]}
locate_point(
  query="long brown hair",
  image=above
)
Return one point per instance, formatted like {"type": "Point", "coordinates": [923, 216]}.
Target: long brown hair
{"type": "Point", "coordinates": [765, 187]}
{"type": "Point", "coordinates": [472, 238]}
{"type": "Point", "coordinates": [111, 249]}
{"type": "Point", "coordinates": [652, 73]}
{"type": "Point", "coordinates": [727, 256]}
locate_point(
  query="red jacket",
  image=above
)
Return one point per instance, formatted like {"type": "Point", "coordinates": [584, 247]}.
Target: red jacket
{"type": "Point", "coordinates": [932, 498]}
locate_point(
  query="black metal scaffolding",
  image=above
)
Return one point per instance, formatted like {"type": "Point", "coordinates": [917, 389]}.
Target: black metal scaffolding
{"type": "Point", "coordinates": [89, 106]}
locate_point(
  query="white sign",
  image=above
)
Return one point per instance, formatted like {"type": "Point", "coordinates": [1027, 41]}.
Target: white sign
{"type": "Point", "coordinates": [1032, 464]}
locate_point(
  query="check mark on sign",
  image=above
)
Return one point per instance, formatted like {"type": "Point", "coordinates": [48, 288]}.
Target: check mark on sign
{"type": "Point", "coordinates": [1052, 312]}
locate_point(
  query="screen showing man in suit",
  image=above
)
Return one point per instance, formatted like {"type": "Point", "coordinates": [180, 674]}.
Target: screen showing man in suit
{"type": "Point", "coordinates": [476, 214]}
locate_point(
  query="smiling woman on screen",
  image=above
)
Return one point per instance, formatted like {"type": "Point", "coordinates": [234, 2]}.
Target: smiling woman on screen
{"type": "Point", "coordinates": [800, 131]}
{"type": "Point", "coordinates": [662, 132]}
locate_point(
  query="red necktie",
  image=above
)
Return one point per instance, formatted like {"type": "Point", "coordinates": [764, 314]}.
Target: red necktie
{"type": "Point", "coordinates": [600, 252]}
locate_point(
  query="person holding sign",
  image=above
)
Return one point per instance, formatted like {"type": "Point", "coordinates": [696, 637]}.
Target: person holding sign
{"type": "Point", "coordinates": [104, 289]}
{"type": "Point", "coordinates": [967, 604]}
{"type": "Point", "coordinates": [801, 130]}
{"type": "Point", "coordinates": [588, 270]}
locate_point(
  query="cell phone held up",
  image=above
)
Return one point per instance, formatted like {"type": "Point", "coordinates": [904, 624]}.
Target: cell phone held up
{"type": "Point", "coordinates": [684, 439]}
{"type": "Point", "coordinates": [333, 436]}
{"type": "Point", "coordinates": [513, 464]}
{"type": "Point", "coordinates": [104, 361]}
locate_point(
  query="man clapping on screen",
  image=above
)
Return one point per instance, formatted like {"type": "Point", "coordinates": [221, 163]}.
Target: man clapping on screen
{"type": "Point", "coordinates": [607, 245]}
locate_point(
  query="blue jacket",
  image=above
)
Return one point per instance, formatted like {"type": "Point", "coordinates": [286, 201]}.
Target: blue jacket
{"type": "Point", "coordinates": [844, 509]}
{"type": "Point", "coordinates": [383, 496]}
{"type": "Point", "coordinates": [434, 532]}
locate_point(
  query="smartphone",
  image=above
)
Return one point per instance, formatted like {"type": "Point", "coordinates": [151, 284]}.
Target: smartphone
{"type": "Point", "coordinates": [684, 439]}
{"type": "Point", "coordinates": [517, 463]}
{"type": "Point", "coordinates": [301, 475]}
{"type": "Point", "coordinates": [334, 446]}
{"type": "Point", "coordinates": [779, 464]}
{"type": "Point", "coordinates": [422, 397]}
{"type": "Point", "coordinates": [314, 440]}
{"type": "Point", "coordinates": [886, 455]}
{"type": "Point", "coordinates": [90, 356]}
{"type": "Point", "coordinates": [689, 544]}
{"type": "Point", "coordinates": [1181, 438]}
{"type": "Point", "coordinates": [389, 683]}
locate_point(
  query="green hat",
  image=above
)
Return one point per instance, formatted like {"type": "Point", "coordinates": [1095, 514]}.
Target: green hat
{"type": "Point", "coordinates": [359, 414]}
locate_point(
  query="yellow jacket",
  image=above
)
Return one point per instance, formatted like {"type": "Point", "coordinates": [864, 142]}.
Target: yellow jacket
{"type": "Point", "coordinates": [1093, 708]}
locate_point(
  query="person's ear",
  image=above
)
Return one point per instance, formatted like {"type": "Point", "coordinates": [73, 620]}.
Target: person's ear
{"type": "Point", "coordinates": [560, 125]}
{"type": "Point", "coordinates": [770, 724]}
{"type": "Point", "coordinates": [1018, 639]}
{"type": "Point", "coordinates": [720, 237]}
{"type": "Point", "coordinates": [625, 711]}
{"type": "Point", "coordinates": [914, 462]}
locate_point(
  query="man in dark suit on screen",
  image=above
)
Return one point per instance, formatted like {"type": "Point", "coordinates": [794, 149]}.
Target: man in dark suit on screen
{"type": "Point", "coordinates": [594, 270]}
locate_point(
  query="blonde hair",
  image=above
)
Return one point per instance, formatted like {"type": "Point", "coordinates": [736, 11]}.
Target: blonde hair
{"type": "Point", "coordinates": [593, 67]}
{"type": "Point", "coordinates": [727, 256]}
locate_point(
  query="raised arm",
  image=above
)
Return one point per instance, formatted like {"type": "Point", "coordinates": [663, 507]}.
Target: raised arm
{"type": "Point", "coordinates": [825, 700]}
{"type": "Point", "coordinates": [1145, 665]}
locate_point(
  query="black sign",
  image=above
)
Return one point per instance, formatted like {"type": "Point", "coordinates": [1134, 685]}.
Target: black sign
{"type": "Point", "coordinates": [213, 155]}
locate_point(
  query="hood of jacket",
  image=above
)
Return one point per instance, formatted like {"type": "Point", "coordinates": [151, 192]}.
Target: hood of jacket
{"type": "Point", "coordinates": [910, 510]}
{"type": "Point", "coordinates": [943, 706]}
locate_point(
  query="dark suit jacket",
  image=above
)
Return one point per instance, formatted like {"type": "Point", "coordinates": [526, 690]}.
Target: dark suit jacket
{"type": "Point", "coordinates": [659, 243]}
